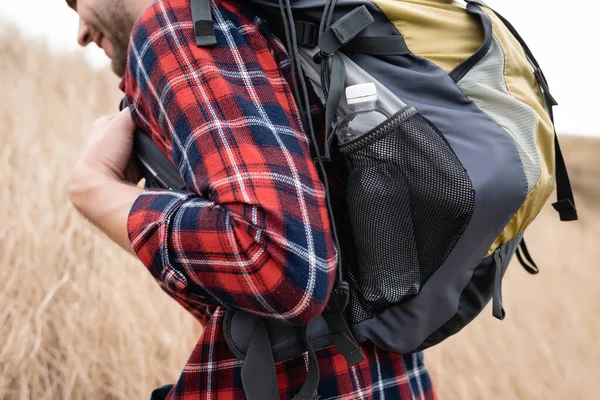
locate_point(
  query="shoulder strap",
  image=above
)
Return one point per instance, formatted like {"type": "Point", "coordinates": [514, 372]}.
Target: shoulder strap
{"type": "Point", "coordinates": [155, 166]}
{"type": "Point", "coordinates": [204, 26]}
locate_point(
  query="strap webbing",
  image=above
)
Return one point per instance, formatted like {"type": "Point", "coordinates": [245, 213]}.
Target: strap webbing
{"type": "Point", "coordinates": [390, 45]}
{"type": "Point", "coordinates": [461, 70]}
{"type": "Point", "coordinates": [497, 308]}
{"type": "Point", "coordinates": [335, 91]}
{"type": "Point", "coordinates": [155, 166]}
{"type": "Point", "coordinates": [342, 339]}
{"type": "Point", "coordinates": [204, 26]}
{"type": "Point", "coordinates": [309, 389]}
{"type": "Point", "coordinates": [565, 204]}
{"type": "Point", "coordinates": [259, 377]}
{"type": "Point", "coordinates": [161, 393]}
{"type": "Point", "coordinates": [383, 45]}
{"type": "Point", "coordinates": [345, 29]}
{"type": "Point", "coordinates": [525, 259]}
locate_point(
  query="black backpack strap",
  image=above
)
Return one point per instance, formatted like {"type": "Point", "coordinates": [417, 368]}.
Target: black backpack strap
{"type": "Point", "coordinates": [309, 389]}
{"type": "Point", "coordinates": [259, 376]}
{"type": "Point", "coordinates": [388, 45]}
{"type": "Point", "coordinates": [342, 338]}
{"type": "Point", "coordinates": [258, 370]}
{"type": "Point", "coordinates": [155, 166]}
{"type": "Point", "coordinates": [383, 45]}
{"type": "Point", "coordinates": [344, 30]}
{"type": "Point", "coordinates": [497, 306]}
{"type": "Point", "coordinates": [525, 258]}
{"type": "Point", "coordinates": [565, 204]}
{"type": "Point", "coordinates": [161, 393]}
{"type": "Point", "coordinates": [271, 341]}
{"type": "Point", "coordinates": [204, 26]}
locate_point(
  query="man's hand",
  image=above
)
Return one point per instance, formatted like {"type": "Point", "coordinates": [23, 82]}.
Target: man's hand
{"type": "Point", "coordinates": [102, 185]}
{"type": "Point", "coordinates": [109, 149]}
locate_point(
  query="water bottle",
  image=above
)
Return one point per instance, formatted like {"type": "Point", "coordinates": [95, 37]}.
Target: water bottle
{"type": "Point", "coordinates": [363, 116]}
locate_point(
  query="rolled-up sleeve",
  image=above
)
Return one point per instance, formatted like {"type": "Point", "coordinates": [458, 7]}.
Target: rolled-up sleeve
{"type": "Point", "coordinates": [253, 231]}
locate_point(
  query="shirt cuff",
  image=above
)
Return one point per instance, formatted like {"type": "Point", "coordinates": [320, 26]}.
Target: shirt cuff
{"type": "Point", "coordinates": [148, 225]}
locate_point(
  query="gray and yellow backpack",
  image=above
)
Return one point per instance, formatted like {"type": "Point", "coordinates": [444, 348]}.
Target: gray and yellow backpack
{"type": "Point", "coordinates": [437, 196]}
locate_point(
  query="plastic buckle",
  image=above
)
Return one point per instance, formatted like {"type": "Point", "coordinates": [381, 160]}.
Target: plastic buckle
{"type": "Point", "coordinates": [306, 33]}
{"type": "Point", "coordinates": [340, 297]}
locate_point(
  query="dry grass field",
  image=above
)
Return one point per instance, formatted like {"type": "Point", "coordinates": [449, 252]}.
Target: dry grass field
{"type": "Point", "coordinates": [80, 319]}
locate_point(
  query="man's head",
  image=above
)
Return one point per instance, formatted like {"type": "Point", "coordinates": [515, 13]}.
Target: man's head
{"type": "Point", "coordinates": [108, 23]}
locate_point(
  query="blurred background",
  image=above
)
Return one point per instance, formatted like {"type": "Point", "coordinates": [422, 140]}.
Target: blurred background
{"type": "Point", "coordinates": [80, 319]}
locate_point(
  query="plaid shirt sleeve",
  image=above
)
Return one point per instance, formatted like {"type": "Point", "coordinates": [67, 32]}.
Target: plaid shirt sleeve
{"type": "Point", "coordinates": [253, 231]}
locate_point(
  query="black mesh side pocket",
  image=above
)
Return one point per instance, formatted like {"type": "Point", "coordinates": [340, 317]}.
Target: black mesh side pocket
{"type": "Point", "coordinates": [409, 200]}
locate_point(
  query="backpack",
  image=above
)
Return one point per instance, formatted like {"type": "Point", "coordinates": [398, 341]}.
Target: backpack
{"type": "Point", "coordinates": [438, 196]}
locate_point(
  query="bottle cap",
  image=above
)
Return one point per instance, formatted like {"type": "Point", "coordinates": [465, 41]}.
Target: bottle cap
{"type": "Point", "coordinates": [361, 93]}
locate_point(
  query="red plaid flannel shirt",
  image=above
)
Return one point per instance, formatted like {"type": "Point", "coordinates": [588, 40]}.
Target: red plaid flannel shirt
{"type": "Point", "coordinates": [253, 231]}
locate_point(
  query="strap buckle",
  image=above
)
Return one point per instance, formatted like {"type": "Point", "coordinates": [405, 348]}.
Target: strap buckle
{"type": "Point", "coordinates": [306, 33]}
{"type": "Point", "coordinates": [339, 299]}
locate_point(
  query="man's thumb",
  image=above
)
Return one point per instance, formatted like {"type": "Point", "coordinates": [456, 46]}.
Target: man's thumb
{"type": "Point", "coordinates": [123, 121]}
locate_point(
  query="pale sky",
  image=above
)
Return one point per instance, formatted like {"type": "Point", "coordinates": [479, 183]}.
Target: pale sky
{"type": "Point", "coordinates": [563, 35]}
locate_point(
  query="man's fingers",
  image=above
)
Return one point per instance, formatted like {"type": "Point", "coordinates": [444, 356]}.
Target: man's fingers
{"type": "Point", "coordinates": [111, 116]}
{"type": "Point", "coordinates": [123, 121]}
{"type": "Point", "coordinates": [106, 118]}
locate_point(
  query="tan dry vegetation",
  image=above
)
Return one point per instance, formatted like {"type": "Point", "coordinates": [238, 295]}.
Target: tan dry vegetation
{"type": "Point", "coordinates": [79, 319]}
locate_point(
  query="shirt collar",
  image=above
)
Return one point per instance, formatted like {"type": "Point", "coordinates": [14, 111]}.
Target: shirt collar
{"type": "Point", "coordinates": [122, 84]}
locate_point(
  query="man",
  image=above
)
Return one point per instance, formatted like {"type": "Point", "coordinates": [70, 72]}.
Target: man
{"type": "Point", "coordinates": [252, 231]}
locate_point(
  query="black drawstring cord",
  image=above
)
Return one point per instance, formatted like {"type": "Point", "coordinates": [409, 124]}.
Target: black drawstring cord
{"type": "Point", "coordinates": [287, 28]}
